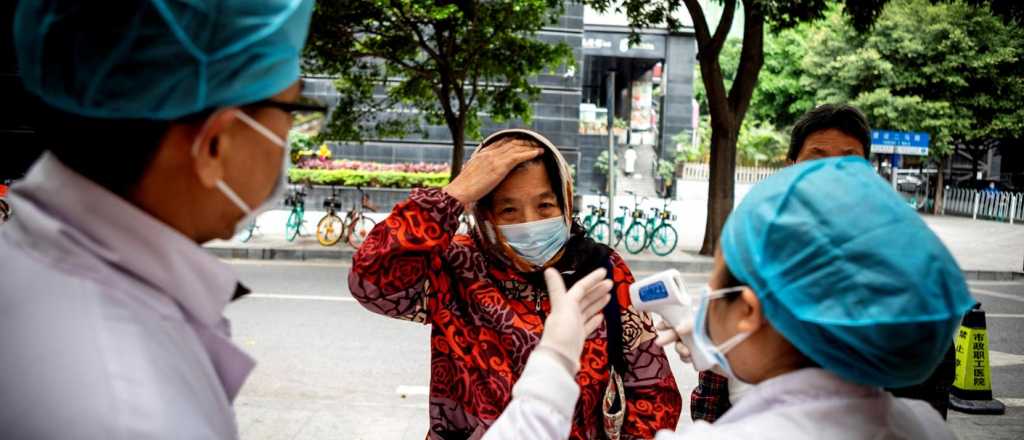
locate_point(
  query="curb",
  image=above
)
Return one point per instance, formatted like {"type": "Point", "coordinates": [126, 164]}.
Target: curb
{"type": "Point", "coordinates": [636, 264]}
{"type": "Point", "coordinates": [992, 275]}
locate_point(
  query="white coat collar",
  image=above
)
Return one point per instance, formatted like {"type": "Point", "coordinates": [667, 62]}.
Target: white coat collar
{"type": "Point", "coordinates": [126, 238]}
{"type": "Point", "coordinates": [61, 213]}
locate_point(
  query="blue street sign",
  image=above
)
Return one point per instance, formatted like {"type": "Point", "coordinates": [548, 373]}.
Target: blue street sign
{"type": "Point", "coordinates": [911, 143]}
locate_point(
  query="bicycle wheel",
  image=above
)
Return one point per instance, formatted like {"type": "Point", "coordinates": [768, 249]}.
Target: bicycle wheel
{"type": "Point", "coordinates": [329, 230]}
{"type": "Point", "coordinates": [619, 231]}
{"type": "Point", "coordinates": [359, 229]}
{"type": "Point", "coordinates": [636, 238]}
{"type": "Point", "coordinates": [291, 229]}
{"type": "Point", "coordinates": [599, 232]}
{"type": "Point", "coordinates": [663, 240]}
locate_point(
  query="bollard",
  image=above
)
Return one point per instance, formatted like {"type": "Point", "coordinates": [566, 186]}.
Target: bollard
{"type": "Point", "coordinates": [972, 386]}
{"type": "Point", "coordinates": [976, 195]}
{"type": "Point", "coordinates": [1013, 207]}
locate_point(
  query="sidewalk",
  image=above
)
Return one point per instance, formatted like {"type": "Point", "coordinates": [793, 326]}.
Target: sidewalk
{"type": "Point", "coordinates": [986, 250]}
{"type": "Point", "coordinates": [275, 247]}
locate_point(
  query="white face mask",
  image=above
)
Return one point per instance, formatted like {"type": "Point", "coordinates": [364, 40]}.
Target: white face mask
{"type": "Point", "coordinates": [279, 186]}
{"type": "Point", "coordinates": [706, 355]}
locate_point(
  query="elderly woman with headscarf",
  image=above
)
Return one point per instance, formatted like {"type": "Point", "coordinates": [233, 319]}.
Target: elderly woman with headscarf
{"type": "Point", "coordinates": [820, 311]}
{"type": "Point", "coordinates": [485, 297]}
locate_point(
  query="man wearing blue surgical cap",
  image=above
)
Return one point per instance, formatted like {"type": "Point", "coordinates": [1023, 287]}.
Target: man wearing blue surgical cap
{"type": "Point", "coordinates": [165, 127]}
{"type": "Point", "coordinates": [819, 309]}
{"type": "Point", "coordinates": [828, 130]}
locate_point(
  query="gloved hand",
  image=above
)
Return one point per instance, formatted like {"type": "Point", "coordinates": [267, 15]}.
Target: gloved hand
{"type": "Point", "coordinates": [668, 335]}
{"type": "Point", "coordinates": [575, 314]}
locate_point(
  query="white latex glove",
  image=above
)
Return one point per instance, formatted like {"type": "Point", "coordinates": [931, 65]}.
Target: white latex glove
{"type": "Point", "coordinates": [668, 335]}
{"type": "Point", "coordinates": [575, 314]}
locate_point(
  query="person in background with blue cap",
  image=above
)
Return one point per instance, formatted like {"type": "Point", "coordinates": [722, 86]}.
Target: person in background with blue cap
{"type": "Point", "coordinates": [818, 310]}
{"type": "Point", "coordinates": [165, 128]}
{"type": "Point", "coordinates": [828, 130]}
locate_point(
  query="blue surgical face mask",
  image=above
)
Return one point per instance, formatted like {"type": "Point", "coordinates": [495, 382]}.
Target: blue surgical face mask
{"type": "Point", "coordinates": [539, 241]}
{"type": "Point", "coordinates": [706, 355]}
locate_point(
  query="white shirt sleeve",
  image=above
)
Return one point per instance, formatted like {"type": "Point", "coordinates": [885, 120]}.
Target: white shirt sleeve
{"type": "Point", "coordinates": [543, 401]}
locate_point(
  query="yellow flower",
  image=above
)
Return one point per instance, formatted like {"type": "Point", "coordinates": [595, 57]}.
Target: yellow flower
{"type": "Point", "coordinates": [324, 153]}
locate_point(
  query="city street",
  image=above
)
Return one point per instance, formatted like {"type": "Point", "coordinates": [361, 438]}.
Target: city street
{"type": "Point", "coordinates": [330, 369]}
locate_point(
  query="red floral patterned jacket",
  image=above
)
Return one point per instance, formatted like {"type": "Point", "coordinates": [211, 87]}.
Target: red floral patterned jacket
{"type": "Point", "coordinates": [486, 320]}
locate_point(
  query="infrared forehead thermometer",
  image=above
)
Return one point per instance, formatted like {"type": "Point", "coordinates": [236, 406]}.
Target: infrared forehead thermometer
{"type": "Point", "coordinates": [664, 294]}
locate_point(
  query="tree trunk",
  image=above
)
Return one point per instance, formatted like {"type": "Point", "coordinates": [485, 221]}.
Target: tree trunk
{"type": "Point", "coordinates": [727, 113]}
{"type": "Point", "coordinates": [721, 184]}
{"type": "Point", "coordinates": [940, 186]}
{"type": "Point", "coordinates": [458, 147]}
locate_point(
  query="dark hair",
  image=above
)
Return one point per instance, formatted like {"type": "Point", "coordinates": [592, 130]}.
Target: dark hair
{"type": "Point", "coordinates": [842, 117]}
{"type": "Point", "coordinates": [547, 159]}
{"type": "Point", "coordinates": [113, 153]}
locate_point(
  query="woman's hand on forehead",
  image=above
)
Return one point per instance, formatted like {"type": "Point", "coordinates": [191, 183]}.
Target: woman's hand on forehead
{"type": "Point", "coordinates": [488, 167]}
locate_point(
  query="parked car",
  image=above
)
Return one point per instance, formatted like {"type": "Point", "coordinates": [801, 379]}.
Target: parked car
{"type": "Point", "coordinates": [908, 183]}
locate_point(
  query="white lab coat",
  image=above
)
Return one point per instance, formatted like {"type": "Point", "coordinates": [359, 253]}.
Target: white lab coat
{"type": "Point", "coordinates": [806, 404]}
{"type": "Point", "coordinates": [111, 322]}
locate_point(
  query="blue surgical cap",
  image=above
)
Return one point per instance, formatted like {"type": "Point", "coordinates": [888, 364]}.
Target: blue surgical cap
{"type": "Point", "coordinates": [847, 272]}
{"type": "Point", "coordinates": [158, 59]}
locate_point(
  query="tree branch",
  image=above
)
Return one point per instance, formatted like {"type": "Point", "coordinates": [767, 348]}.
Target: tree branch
{"type": "Point", "coordinates": [419, 34]}
{"type": "Point", "coordinates": [700, 23]}
{"type": "Point", "coordinates": [724, 25]}
{"type": "Point", "coordinates": [751, 59]}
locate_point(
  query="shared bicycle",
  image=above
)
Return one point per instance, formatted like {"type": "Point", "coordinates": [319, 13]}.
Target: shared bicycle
{"type": "Point", "coordinates": [357, 224]}
{"type": "Point", "coordinates": [296, 199]}
{"type": "Point", "coordinates": [662, 237]}
{"type": "Point", "coordinates": [331, 228]}
{"type": "Point", "coordinates": [640, 231]}
{"type": "Point", "coordinates": [353, 228]}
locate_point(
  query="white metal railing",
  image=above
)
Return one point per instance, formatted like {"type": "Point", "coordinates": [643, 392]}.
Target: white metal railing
{"type": "Point", "coordinates": [991, 205]}
{"type": "Point", "coordinates": [702, 172]}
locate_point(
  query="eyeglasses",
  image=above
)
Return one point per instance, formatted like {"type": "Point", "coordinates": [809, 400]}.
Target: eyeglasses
{"type": "Point", "coordinates": [292, 108]}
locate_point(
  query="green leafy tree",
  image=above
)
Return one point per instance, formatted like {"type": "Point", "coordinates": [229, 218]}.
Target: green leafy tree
{"type": "Point", "coordinates": [729, 105]}
{"type": "Point", "coordinates": [953, 70]}
{"type": "Point", "coordinates": [401, 63]}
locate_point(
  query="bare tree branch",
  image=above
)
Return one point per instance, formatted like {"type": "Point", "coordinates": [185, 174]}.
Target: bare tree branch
{"type": "Point", "coordinates": [700, 23]}
{"type": "Point", "coordinates": [751, 59]}
{"type": "Point", "coordinates": [724, 25]}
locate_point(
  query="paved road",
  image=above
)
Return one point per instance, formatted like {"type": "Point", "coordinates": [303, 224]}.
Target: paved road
{"type": "Point", "coordinates": [330, 369]}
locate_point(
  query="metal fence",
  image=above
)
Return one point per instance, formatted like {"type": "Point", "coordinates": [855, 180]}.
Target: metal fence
{"type": "Point", "coordinates": [702, 172]}
{"type": "Point", "coordinates": [990, 205]}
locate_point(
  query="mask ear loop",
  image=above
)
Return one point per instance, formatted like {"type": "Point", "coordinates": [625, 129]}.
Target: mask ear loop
{"type": "Point", "coordinates": [255, 125]}
{"type": "Point", "coordinates": [738, 338]}
{"type": "Point", "coordinates": [220, 184]}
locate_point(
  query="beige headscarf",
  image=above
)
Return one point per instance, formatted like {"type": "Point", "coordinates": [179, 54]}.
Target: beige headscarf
{"type": "Point", "coordinates": [490, 236]}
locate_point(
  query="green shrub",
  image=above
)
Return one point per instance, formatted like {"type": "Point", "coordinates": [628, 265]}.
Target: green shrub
{"type": "Point", "coordinates": [370, 179]}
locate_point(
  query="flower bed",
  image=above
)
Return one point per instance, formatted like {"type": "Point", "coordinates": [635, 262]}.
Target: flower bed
{"type": "Point", "coordinates": [373, 179]}
{"type": "Point", "coordinates": [321, 171]}
{"type": "Point", "coordinates": [320, 163]}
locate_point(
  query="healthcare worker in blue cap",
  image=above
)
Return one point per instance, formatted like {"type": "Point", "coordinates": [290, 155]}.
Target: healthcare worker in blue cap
{"type": "Point", "coordinates": [826, 289]}
{"type": "Point", "coordinates": [165, 125]}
